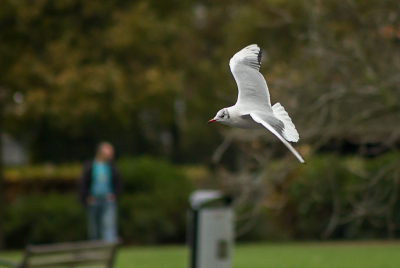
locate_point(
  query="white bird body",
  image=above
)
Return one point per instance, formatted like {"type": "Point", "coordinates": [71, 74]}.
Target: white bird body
{"type": "Point", "coordinates": [240, 118]}
{"type": "Point", "coordinates": [253, 107]}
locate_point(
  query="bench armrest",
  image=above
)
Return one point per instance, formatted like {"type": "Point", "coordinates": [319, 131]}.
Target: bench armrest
{"type": "Point", "coordinates": [8, 264]}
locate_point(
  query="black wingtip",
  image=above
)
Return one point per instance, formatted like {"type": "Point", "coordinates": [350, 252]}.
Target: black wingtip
{"type": "Point", "coordinates": [259, 57]}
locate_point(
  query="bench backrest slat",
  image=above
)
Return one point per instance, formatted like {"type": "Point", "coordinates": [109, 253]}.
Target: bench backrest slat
{"type": "Point", "coordinates": [70, 254]}
{"type": "Point", "coordinates": [46, 249]}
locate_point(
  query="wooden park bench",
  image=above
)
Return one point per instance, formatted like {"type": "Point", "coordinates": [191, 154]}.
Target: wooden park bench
{"type": "Point", "coordinates": [76, 254]}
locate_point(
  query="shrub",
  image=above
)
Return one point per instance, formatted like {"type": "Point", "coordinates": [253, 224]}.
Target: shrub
{"type": "Point", "coordinates": [49, 218]}
{"type": "Point", "coordinates": [365, 191]}
{"type": "Point", "coordinates": [155, 200]}
{"type": "Point", "coordinates": [335, 197]}
{"type": "Point", "coordinates": [152, 209]}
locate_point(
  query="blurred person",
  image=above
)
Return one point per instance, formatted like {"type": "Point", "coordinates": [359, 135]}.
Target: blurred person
{"type": "Point", "coordinates": [99, 185]}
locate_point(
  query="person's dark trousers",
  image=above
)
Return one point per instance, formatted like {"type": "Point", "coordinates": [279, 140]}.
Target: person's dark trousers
{"type": "Point", "coordinates": [102, 220]}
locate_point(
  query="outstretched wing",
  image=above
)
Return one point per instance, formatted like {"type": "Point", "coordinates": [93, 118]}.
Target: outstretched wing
{"type": "Point", "coordinates": [276, 128]}
{"type": "Point", "coordinates": [253, 90]}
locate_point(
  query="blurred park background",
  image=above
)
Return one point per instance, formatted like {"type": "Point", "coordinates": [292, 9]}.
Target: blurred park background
{"type": "Point", "coordinates": [147, 76]}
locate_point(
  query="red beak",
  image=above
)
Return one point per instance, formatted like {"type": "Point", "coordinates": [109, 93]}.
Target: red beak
{"type": "Point", "coordinates": [212, 120]}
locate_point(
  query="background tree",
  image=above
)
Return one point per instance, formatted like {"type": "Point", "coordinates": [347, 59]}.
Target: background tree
{"type": "Point", "coordinates": [148, 75]}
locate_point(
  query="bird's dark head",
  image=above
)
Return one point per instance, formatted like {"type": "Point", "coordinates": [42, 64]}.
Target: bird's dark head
{"type": "Point", "coordinates": [221, 116]}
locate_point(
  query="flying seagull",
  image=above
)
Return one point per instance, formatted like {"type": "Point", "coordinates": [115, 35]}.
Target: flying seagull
{"type": "Point", "coordinates": [253, 109]}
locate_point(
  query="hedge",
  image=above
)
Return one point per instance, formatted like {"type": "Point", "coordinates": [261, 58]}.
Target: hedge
{"type": "Point", "coordinates": [152, 209]}
{"type": "Point", "coordinates": [362, 193]}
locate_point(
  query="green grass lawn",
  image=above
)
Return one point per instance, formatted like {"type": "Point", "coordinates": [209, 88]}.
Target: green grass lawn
{"type": "Point", "coordinates": [268, 255]}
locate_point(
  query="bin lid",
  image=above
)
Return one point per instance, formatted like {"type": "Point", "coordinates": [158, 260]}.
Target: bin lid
{"type": "Point", "coordinates": [201, 197]}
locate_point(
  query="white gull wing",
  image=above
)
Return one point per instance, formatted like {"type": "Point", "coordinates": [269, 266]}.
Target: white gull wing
{"type": "Point", "coordinates": [253, 90]}
{"type": "Point", "coordinates": [263, 120]}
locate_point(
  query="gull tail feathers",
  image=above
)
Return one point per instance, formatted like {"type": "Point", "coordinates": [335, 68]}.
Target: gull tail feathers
{"type": "Point", "coordinates": [289, 131]}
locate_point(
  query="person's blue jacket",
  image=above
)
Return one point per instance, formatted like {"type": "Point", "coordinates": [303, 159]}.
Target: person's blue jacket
{"type": "Point", "coordinates": [85, 181]}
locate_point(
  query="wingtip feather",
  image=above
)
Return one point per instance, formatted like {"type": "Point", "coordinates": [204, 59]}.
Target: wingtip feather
{"type": "Point", "coordinates": [250, 56]}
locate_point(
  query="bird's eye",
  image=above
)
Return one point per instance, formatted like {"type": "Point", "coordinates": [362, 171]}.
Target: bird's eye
{"type": "Point", "coordinates": [222, 116]}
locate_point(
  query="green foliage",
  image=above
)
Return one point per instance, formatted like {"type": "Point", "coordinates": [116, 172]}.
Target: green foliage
{"type": "Point", "coordinates": [47, 218]}
{"type": "Point", "coordinates": [310, 192]}
{"type": "Point", "coordinates": [353, 189]}
{"type": "Point", "coordinates": [155, 201]}
{"type": "Point", "coordinates": [119, 70]}
{"type": "Point", "coordinates": [331, 197]}
{"type": "Point", "coordinates": [152, 208]}
{"type": "Point", "coordinates": [43, 171]}
{"type": "Point", "coordinates": [147, 174]}
{"type": "Point", "coordinates": [131, 71]}
{"type": "Point", "coordinates": [81, 65]}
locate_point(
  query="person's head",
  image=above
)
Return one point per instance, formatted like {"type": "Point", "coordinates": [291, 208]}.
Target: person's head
{"type": "Point", "coordinates": [104, 152]}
